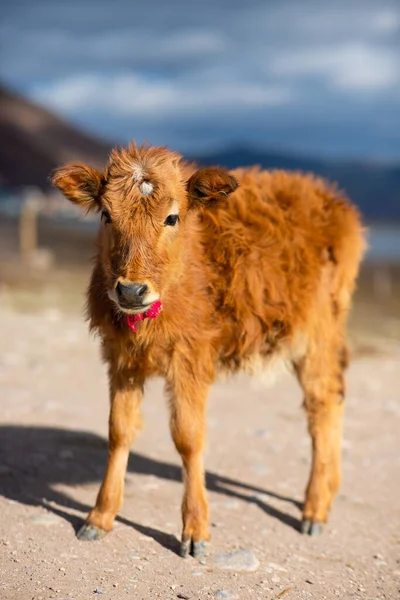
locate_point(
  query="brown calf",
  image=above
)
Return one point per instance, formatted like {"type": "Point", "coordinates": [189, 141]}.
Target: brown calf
{"type": "Point", "coordinates": [236, 270]}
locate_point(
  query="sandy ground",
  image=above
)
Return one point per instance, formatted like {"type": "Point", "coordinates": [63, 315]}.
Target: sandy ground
{"type": "Point", "coordinates": [53, 398]}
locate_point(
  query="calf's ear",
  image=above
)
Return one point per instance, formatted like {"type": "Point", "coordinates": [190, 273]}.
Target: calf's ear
{"type": "Point", "coordinates": [209, 185]}
{"type": "Point", "coordinates": [80, 184]}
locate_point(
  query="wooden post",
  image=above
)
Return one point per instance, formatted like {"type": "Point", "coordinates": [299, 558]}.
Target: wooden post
{"type": "Point", "coordinates": [382, 282]}
{"type": "Point", "coordinates": [28, 236]}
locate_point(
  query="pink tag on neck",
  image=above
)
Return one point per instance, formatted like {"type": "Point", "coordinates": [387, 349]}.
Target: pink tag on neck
{"type": "Point", "coordinates": [150, 313]}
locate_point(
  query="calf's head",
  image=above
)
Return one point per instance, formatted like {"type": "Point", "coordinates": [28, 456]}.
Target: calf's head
{"type": "Point", "coordinates": [144, 197]}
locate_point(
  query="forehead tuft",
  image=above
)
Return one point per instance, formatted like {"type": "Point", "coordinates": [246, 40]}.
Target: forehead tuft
{"type": "Point", "coordinates": [146, 188]}
{"type": "Point", "coordinates": [144, 178]}
{"type": "Point", "coordinates": [141, 164]}
{"type": "Point", "coordinates": [137, 171]}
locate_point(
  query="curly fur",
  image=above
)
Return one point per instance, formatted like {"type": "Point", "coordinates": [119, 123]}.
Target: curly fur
{"type": "Point", "coordinates": [260, 267]}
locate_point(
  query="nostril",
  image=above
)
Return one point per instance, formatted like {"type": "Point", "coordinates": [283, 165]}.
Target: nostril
{"type": "Point", "coordinates": [142, 289]}
{"type": "Point", "coordinates": [118, 289]}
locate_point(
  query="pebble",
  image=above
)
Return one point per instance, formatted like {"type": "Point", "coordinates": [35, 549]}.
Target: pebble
{"type": "Point", "coordinates": [231, 504]}
{"type": "Point", "coordinates": [45, 519]}
{"type": "Point", "coordinates": [258, 468]}
{"type": "Point", "coordinates": [242, 559]}
{"type": "Point", "coordinates": [262, 433]}
{"type": "Point", "coordinates": [226, 595]}
{"type": "Point", "coordinates": [261, 497]}
{"type": "Point", "coordinates": [275, 567]}
{"type": "Point", "coordinates": [97, 591]}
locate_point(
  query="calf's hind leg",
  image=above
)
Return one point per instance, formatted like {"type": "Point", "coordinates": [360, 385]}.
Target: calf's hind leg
{"type": "Point", "coordinates": [126, 396]}
{"type": "Point", "coordinates": [320, 374]}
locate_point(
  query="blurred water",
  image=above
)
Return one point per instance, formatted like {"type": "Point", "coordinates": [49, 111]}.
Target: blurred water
{"type": "Point", "coordinates": [383, 239]}
{"type": "Point", "coordinates": [384, 242]}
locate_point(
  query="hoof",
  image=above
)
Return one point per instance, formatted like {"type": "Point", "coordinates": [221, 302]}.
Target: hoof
{"type": "Point", "coordinates": [309, 527]}
{"type": "Point", "coordinates": [195, 549]}
{"type": "Point", "coordinates": [90, 533]}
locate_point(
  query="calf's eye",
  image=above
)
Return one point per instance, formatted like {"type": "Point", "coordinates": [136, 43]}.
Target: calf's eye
{"type": "Point", "coordinates": [171, 220]}
{"type": "Point", "coordinates": [105, 215]}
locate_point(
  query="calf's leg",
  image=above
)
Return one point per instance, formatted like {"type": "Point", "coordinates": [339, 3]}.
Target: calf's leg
{"type": "Point", "coordinates": [321, 376]}
{"type": "Point", "coordinates": [126, 396]}
{"type": "Point", "coordinates": [188, 408]}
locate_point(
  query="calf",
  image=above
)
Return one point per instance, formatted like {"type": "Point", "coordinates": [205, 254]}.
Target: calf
{"type": "Point", "coordinates": [200, 272]}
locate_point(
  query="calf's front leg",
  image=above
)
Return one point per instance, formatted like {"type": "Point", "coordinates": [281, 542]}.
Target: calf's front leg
{"type": "Point", "coordinates": [188, 414]}
{"type": "Point", "coordinates": [126, 396]}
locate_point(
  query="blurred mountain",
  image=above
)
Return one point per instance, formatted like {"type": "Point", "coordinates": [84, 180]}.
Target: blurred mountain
{"type": "Point", "coordinates": [34, 142]}
{"type": "Point", "coordinates": [374, 187]}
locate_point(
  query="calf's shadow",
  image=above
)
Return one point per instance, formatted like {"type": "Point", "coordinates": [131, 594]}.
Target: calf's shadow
{"type": "Point", "coordinates": [34, 459]}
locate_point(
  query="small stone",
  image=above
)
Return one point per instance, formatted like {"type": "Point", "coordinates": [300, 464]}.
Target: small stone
{"type": "Point", "coordinates": [258, 468]}
{"type": "Point", "coordinates": [276, 567]}
{"type": "Point", "coordinates": [183, 596]}
{"type": "Point", "coordinates": [45, 519]}
{"type": "Point", "coordinates": [232, 503]}
{"type": "Point", "coordinates": [262, 433]}
{"type": "Point", "coordinates": [61, 569]}
{"type": "Point", "coordinates": [97, 591]}
{"type": "Point", "coordinates": [242, 559]}
{"type": "Point", "coordinates": [226, 595]}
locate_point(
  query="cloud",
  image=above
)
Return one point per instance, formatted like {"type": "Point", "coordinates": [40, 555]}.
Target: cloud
{"type": "Point", "coordinates": [309, 75]}
{"type": "Point", "coordinates": [135, 95]}
{"type": "Point", "coordinates": [350, 67]}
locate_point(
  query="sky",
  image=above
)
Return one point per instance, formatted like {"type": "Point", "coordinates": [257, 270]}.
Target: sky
{"type": "Point", "coordinates": [312, 77]}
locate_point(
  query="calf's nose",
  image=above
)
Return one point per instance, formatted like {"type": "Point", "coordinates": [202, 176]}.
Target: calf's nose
{"type": "Point", "coordinates": [132, 294]}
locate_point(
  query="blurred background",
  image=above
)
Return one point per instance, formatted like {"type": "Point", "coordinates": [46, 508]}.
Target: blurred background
{"type": "Point", "coordinates": [280, 83]}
